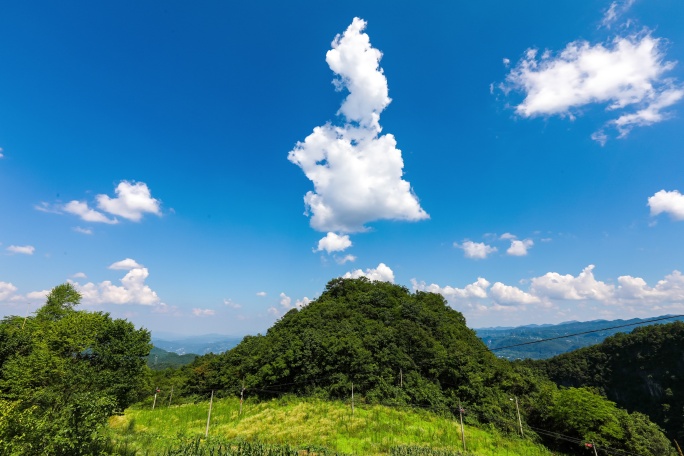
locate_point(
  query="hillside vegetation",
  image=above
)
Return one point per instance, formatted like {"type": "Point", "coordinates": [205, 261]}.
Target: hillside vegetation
{"type": "Point", "coordinates": [399, 348]}
{"type": "Point", "coordinates": [324, 426]}
{"type": "Point", "coordinates": [642, 371]}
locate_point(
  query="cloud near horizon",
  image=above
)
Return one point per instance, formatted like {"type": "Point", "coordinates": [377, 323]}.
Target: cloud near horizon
{"type": "Point", "coordinates": [356, 172]}
{"type": "Point", "coordinates": [133, 289]}
{"type": "Point", "coordinates": [382, 273]}
{"type": "Point", "coordinates": [551, 289]}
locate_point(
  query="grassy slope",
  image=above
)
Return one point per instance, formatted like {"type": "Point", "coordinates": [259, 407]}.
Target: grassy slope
{"type": "Point", "coordinates": [310, 422]}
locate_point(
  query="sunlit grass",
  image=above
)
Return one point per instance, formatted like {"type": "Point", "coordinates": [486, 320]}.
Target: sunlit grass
{"type": "Point", "coordinates": [305, 423]}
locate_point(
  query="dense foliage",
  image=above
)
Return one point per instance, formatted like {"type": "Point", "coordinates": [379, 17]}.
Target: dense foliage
{"type": "Point", "coordinates": [63, 372]}
{"type": "Point", "coordinates": [400, 348]}
{"type": "Point", "coordinates": [642, 371]}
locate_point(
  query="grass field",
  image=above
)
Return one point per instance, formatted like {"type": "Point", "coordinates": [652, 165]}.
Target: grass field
{"type": "Point", "coordinates": [309, 424]}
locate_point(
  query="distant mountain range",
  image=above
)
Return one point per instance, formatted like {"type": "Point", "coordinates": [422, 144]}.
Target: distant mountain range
{"type": "Point", "coordinates": [495, 338]}
{"type": "Point", "coordinates": [199, 345]}
{"type": "Point", "coordinates": [563, 335]}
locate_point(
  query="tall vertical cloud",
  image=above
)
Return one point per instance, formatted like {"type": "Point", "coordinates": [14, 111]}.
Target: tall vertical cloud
{"type": "Point", "coordinates": [356, 172]}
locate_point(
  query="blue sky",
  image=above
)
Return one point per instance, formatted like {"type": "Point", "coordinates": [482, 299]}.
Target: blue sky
{"type": "Point", "coordinates": [204, 168]}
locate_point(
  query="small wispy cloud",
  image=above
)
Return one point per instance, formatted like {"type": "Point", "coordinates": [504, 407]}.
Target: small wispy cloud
{"type": "Point", "coordinates": [230, 303]}
{"type": "Point", "coordinates": [203, 312]}
{"type": "Point", "coordinates": [21, 249]}
{"type": "Point", "coordinates": [615, 11]}
{"type": "Point", "coordinates": [345, 259]}
{"type": "Point", "coordinates": [88, 231]}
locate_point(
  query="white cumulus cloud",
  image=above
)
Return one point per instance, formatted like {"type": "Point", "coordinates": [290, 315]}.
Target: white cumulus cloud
{"type": "Point", "coordinates": [475, 250]}
{"type": "Point", "coordinates": [475, 290]}
{"type": "Point", "coordinates": [133, 289]}
{"type": "Point", "coordinates": [285, 301]}
{"type": "Point", "coordinates": [553, 285]}
{"type": "Point", "coordinates": [356, 172]}
{"type": "Point", "coordinates": [509, 295]}
{"type": "Point", "coordinates": [382, 273]}
{"type": "Point", "coordinates": [21, 249]}
{"type": "Point", "coordinates": [333, 243]}
{"type": "Point", "coordinates": [125, 265]}
{"type": "Point", "coordinates": [261, 293]}
{"type": "Point", "coordinates": [626, 75]}
{"type": "Point", "coordinates": [6, 290]}
{"type": "Point", "coordinates": [81, 209]}
{"type": "Point", "coordinates": [669, 202]}
{"type": "Point", "coordinates": [132, 201]}
{"type": "Point", "coordinates": [300, 303]}
{"type": "Point", "coordinates": [520, 248]}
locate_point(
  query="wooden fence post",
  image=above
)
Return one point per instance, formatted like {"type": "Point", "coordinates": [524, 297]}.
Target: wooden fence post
{"type": "Point", "coordinates": [211, 401]}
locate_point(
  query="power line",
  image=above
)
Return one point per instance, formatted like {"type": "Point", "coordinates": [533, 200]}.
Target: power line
{"type": "Point", "coordinates": [567, 438]}
{"type": "Point", "coordinates": [587, 332]}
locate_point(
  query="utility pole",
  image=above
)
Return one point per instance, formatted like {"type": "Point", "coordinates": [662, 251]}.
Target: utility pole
{"type": "Point", "coordinates": [155, 398]}
{"type": "Point", "coordinates": [517, 409]}
{"type": "Point", "coordinates": [26, 317]}
{"type": "Point", "coordinates": [460, 413]}
{"type": "Point", "coordinates": [211, 401]}
{"type": "Point", "coordinates": [171, 396]}
{"type": "Point", "coordinates": [352, 398]}
{"type": "Point", "coordinates": [242, 397]}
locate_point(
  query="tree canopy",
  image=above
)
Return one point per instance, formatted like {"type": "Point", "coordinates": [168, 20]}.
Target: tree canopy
{"type": "Point", "coordinates": [642, 371]}
{"type": "Point", "coordinates": [63, 372]}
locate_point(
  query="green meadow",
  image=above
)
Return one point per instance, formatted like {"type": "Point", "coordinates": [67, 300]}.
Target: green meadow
{"type": "Point", "coordinates": [305, 424]}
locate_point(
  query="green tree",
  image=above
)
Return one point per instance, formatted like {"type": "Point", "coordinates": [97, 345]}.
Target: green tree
{"type": "Point", "coordinates": [63, 373]}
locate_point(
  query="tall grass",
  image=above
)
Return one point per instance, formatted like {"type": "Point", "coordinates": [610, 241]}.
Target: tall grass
{"type": "Point", "coordinates": [310, 425]}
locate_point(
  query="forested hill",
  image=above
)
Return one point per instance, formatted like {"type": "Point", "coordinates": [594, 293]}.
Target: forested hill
{"type": "Point", "coordinates": [641, 371]}
{"type": "Point", "coordinates": [398, 348]}
{"type": "Point", "coordinates": [376, 335]}
{"type": "Point", "coordinates": [562, 335]}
